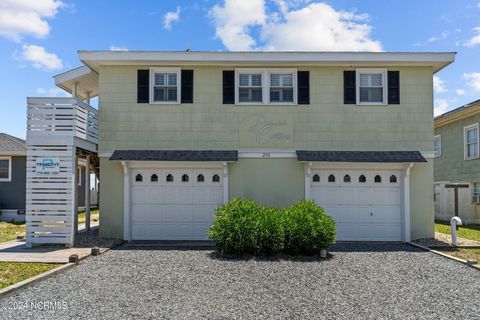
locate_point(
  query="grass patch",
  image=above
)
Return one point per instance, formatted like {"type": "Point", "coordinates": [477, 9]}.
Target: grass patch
{"type": "Point", "coordinates": [94, 216]}
{"type": "Point", "coordinates": [13, 272]}
{"type": "Point", "coordinates": [9, 230]}
{"type": "Point", "coordinates": [471, 232]}
{"type": "Point", "coordinates": [463, 253]}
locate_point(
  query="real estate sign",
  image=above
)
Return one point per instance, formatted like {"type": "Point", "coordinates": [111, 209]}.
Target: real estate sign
{"type": "Point", "coordinates": [47, 166]}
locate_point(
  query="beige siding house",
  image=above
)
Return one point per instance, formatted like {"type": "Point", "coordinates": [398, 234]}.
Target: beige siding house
{"type": "Point", "coordinates": [183, 132]}
{"type": "Point", "coordinates": [457, 164]}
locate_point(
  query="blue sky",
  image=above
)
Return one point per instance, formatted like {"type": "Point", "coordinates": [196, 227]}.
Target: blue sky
{"type": "Point", "coordinates": [40, 38]}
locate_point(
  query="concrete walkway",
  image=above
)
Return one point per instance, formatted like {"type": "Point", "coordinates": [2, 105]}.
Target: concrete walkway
{"type": "Point", "coordinates": [17, 251]}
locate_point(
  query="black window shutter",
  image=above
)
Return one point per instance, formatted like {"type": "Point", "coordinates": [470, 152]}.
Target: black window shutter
{"type": "Point", "coordinates": [349, 88]}
{"type": "Point", "coordinates": [303, 78]}
{"type": "Point", "coordinates": [393, 87]}
{"type": "Point", "coordinates": [187, 86]}
{"type": "Point", "coordinates": [228, 87]}
{"type": "Point", "coordinates": [143, 87]}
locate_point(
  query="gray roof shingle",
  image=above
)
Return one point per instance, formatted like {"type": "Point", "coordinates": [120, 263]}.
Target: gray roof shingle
{"type": "Point", "coordinates": [175, 155]}
{"type": "Point", "coordinates": [11, 143]}
{"type": "Point", "coordinates": [361, 156]}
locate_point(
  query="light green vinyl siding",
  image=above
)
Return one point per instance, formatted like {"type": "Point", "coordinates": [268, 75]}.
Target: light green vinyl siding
{"type": "Point", "coordinates": [451, 166]}
{"type": "Point", "coordinates": [111, 199]}
{"type": "Point", "coordinates": [275, 182]}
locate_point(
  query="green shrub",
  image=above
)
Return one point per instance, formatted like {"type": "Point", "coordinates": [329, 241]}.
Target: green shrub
{"type": "Point", "coordinates": [244, 227]}
{"type": "Point", "coordinates": [307, 228]}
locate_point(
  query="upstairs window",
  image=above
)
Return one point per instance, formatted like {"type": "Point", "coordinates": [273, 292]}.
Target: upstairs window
{"type": "Point", "coordinates": [371, 86]}
{"type": "Point", "coordinates": [471, 142]}
{"type": "Point", "coordinates": [281, 87]}
{"type": "Point", "coordinates": [266, 86]}
{"type": "Point", "coordinates": [437, 146]}
{"type": "Point", "coordinates": [250, 88]}
{"type": "Point", "coordinates": [165, 85]}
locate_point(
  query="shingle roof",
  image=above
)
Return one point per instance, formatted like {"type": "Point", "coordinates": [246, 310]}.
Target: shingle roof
{"type": "Point", "coordinates": [11, 143]}
{"type": "Point", "coordinates": [361, 156]}
{"type": "Point", "coordinates": [175, 155]}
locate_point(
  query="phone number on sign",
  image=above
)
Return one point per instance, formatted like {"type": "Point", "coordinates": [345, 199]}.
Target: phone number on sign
{"type": "Point", "coordinates": [34, 305]}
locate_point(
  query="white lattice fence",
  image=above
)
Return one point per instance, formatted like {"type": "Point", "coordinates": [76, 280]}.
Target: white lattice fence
{"type": "Point", "coordinates": [50, 195]}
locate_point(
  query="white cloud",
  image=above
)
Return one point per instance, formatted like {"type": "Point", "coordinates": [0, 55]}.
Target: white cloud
{"type": "Point", "coordinates": [26, 17]}
{"type": "Point", "coordinates": [439, 85]}
{"type": "Point", "coordinates": [40, 58]}
{"type": "Point", "coordinates": [233, 20]}
{"type": "Point", "coordinates": [441, 36]}
{"type": "Point", "coordinates": [460, 92]}
{"type": "Point", "coordinates": [171, 17]}
{"type": "Point", "coordinates": [115, 48]}
{"type": "Point", "coordinates": [473, 80]}
{"type": "Point", "coordinates": [440, 106]}
{"type": "Point", "coordinates": [314, 27]}
{"type": "Point", "coordinates": [475, 40]}
{"type": "Point", "coordinates": [52, 92]}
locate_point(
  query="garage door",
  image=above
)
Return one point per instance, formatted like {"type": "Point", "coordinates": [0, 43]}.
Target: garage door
{"type": "Point", "coordinates": [365, 204]}
{"type": "Point", "coordinates": [174, 204]}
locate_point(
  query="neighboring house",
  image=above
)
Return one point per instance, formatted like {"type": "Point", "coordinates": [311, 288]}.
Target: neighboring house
{"type": "Point", "coordinates": [13, 154]}
{"type": "Point", "coordinates": [183, 132]}
{"type": "Point", "coordinates": [457, 163]}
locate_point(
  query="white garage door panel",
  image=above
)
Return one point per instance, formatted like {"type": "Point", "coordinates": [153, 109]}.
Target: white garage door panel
{"type": "Point", "coordinates": [363, 211]}
{"type": "Point", "coordinates": [174, 210]}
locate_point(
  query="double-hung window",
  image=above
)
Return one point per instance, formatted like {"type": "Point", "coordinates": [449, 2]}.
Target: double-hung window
{"type": "Point", "coordinates": [471, 142]}
{"type": "Point", "coordinates": [265, 86]}
{"type": "Point", "coordinates": [371, 86]}
{"type": "Point", "coordinates": [165, 85]}
{"type": "Point", "coordinates": [437, 146]}
{"type": "Point", "coordinates": [5, 169]}
{"type": "Point", "coordinates": [281, 87]}
{"type": "Point", "coordinates": [250, 87]}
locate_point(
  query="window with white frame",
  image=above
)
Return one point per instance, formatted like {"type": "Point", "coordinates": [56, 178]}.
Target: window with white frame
{"type": "Point", "coordinates": [5, 169]}
{"type": "Point", "coordinates": [471, 142]}
{"type": "Point", "coordinates": [250, 87]}
{"type": "Point", "coordinates": [437, 146]}
{"type": "Point", "coordinates": [165, 85]}
{"type": "Point", "coordinates": [281, 87]}
{"type": "Point", "coordinates": [371, 86]}
{"type": "Point", "coordinates": [265, 86]}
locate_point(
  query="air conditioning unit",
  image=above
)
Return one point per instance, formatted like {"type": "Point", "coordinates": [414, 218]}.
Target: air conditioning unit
{"type": "Point", "coordinates": [476, 198]}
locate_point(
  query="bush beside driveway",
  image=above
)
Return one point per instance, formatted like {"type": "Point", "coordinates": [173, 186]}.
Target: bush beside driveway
{"type": "Point", "coordinates": [361, 281]}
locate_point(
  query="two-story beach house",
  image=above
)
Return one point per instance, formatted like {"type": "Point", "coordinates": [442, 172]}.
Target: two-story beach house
{"type": "Point", "coordinates": [183, 132]}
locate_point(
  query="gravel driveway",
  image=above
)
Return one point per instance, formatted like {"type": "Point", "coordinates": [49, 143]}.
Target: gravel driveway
{"type": "Point", "coordinates": [367, 281]}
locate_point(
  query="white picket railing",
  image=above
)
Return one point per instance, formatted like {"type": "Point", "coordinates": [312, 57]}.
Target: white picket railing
{"type": "Point", "coordinates": [55, 117]}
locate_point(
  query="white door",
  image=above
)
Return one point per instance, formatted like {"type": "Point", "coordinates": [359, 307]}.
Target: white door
{"type": "Point", "coordinates": [174, 204]}
{"type": "Point", "coordinates": [365, 204]}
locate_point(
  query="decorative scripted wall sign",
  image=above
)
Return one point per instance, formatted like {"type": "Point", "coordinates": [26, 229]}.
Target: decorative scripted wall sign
{"type": "Point", "coordinates": [261, 130]}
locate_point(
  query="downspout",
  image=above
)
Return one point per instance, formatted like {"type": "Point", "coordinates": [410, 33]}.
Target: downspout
{"type": "Point", "coordinates": [406, 205]}
{"type": "Point", "coordinates": [126, 202]}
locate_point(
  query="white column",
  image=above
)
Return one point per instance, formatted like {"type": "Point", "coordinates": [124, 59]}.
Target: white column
{"type": "Point", "coordinates": [87, 193]}
{"type": "Point", "coordinates": [225, 182]}
{"type": "Point", "coordinates": [87, 100]}
{"type": "Point", "coordinates": [308, 166]}
{"type": "Point", "coordinates": [75, 190]}
{"type": "Point", "coordinates": [406, 204]}
{"type": "Point", "coordinates": [126, 202]}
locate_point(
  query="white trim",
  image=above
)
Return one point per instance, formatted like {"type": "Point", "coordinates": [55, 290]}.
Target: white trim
{"type": "Point", "coordinates": [440, 145]}
{"type": "Point", "coordinates": [437, 60]}
{"type": "Point", "coordinates": [105, 154]}
{"type": "Point", "coordinates": [308, 167]}
{"type": "Point", "coordinates": [174, 164]}
{"type": "Point", "coordinates": [265, 73]}
{"type": "Point", "coordinates": [465, 148]}
{"type": "Point", "coordinates": [358, 165]}
{"type": "Point", "coordinates": [177, 71]}
{"type": "Point", "coordinates": [127, 234]}
{"type": "Point", "coordinates": [225, 182]}
{"type": "Point", "coordinates": [383, 72]}
{"type": "Point", "coordinates": [267, 154]}
{"type": "Point", "coordinates": [13, 153]}
{"type": "Point", "coordinates": [9, 179]}
{"type": "Point", "coordinates": [406, 204]}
